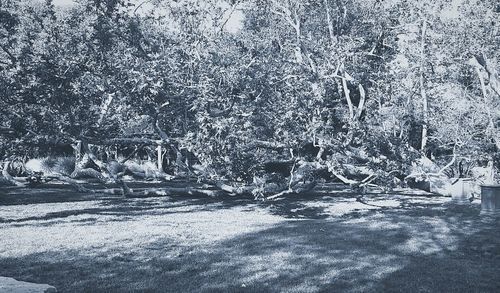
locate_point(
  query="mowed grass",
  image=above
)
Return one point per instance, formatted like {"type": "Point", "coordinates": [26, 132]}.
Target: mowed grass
{"type": "Point", "coordinates": [103, 243]}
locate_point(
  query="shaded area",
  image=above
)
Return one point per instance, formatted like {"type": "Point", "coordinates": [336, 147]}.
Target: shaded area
{"type": "Point", "coordinates": [294, 256]}
{"type": "Point", "coordinates": [293, 206]}
{"type": "Point", "coordinates": [53, 192]}
{"type": "Point", "coordinates": [473, 267]}
{"type": "Point", "coordinates": [419, 245]}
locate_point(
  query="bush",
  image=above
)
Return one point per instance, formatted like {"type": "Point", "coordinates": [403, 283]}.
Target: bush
{"type": "Point", "coordinates": [146, 170]}
{"type": "Point", "coordinates": [52, 165]}
{"type": "Point", "coordinates": [65, 165]}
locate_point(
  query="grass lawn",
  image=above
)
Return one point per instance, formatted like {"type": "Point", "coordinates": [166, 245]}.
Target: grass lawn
{"type": "Point", "coordinates": [104, 243]}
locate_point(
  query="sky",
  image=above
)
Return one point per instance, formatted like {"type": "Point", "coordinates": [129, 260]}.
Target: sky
{"type": "Point", "coordinates": [63, 2]}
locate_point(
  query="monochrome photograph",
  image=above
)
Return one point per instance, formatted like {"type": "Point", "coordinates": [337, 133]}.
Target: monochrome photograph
{"type": "Point", "coordinates": [249, 146]}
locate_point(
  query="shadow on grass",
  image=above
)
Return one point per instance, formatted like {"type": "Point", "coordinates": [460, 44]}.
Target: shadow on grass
{"type": "Point", "coordinates": [18, 196]}
{"type": "Point", "coordinates": [56, 193]}
{"type": "Point", "coordinates": [123, 209]}
{"type": "Point", "coordinates": [474, 266]}
{"type": "Point", "coordinates": [127, 209]}
{"type": "Point", "coordinates": [448, 250]}
{"type": "Point", "coordinates": [301, 255]}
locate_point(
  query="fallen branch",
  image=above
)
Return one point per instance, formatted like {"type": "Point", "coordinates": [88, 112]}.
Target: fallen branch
{"type": "Point", "coordinates": [343, 178]}
{"type": "Point", "coordinates": [279, 194]}
{"type": "Point", "coordinates": [75, 184]}
{"type": "Point", "coordinates": [170, 191]}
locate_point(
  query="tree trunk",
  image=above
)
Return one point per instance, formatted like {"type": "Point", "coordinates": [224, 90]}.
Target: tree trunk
{"type": "Point", "coordinates": [159, 151]}
{"type": "Point", "coordinates": [347, 94]}
{"type": "Point", "coordinates": [85, 164]}
{"type": "Point", "coordinates": [423, 92]}
{"type": "Point", "coordinates": [354, 115]}
{"type": "Point", "coordinates": [491, 129]}
{"type": "Point", "coordinates": [493, 78]}
{"type": "Point", "coordinates": [293, 20]}
{"type": "Point", "coordinates": [333, 40]}
{"type": "Point", "coordinates": [477, 66]}
{"type": "Point", "coordinates": [178, 162]}
{"type": "Point", "coordinates": [77, 150]}
{"type": "Point", "coordinates": [361, 105]}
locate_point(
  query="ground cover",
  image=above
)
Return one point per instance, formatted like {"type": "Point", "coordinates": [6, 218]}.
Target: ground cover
{"type": "Point", "coordinates": [106, 243]}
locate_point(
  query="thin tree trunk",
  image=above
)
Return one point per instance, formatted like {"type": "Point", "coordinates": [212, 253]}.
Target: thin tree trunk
{"type": "Point", "coordinates": [347, 94]}
{"type": "Point", "coordinates": [493, 78]}
{"type": "Point", "coordinates": [491, 129]}
{"type": "Point", "coordinates": [298, 45]}
{"type": "Point", "coordinates": [294, 21]}
{"type": "Point", "coordinates": [485, 97]}
{"type": "Point", "coordinates": [105, 108]}
{"type": "Point", "coordinates": [330, 24]}
{"type": "Point", "coordinates": [353, 117]}
{"type": "Point", "coordinates": [361, 105]}
{"type": "Point", "coordinates": [423, 92]}
{"type": "Point", "coordinates": [159, 151]}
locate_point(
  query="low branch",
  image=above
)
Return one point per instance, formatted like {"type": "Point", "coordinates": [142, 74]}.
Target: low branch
{"type": "Point", "coordinates": [361, 104]}
{"type": "Point", "coordinates": [279, 194]}
{"type": "Point", "coordinates": [453, 159]}
{"type": "Point", "coordinates": [124, 141]}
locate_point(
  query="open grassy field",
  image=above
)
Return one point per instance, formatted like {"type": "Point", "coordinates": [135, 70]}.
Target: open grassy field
{"type": "Point", "coordinates": [104, 243]}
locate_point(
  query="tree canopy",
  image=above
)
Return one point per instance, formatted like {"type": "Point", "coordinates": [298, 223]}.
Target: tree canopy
{"type": "Point", "coordinates": [240, 83]}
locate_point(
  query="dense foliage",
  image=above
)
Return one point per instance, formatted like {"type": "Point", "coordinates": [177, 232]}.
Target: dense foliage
{"type": "Point", "coordinates": [238, 84]}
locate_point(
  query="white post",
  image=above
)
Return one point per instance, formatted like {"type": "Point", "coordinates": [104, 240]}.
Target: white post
{"type": "Point", "coordinates": [490, 176]}
{"type": "Point", "coordinates": [159, 157]}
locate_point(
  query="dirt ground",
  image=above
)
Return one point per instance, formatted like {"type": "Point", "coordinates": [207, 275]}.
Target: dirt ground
{"type": "Point", "coordinates": [330, 243]}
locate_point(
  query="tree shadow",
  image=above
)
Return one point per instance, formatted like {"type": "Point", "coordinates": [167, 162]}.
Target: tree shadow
{"type": "Point", "coordinates": [417, 246]}
{"type": "Point", "coordinates": [298, 255]}
{"type": "Point", "coordinates": [46, 194]}
{"type": "Point", "coordinates": [472, 266]}
{"type": "Point", "coordinates": [54, 193]}
{"type": "Point", "coordinates": [127, 209]}
{"type": "Point", "coordinates": [399, 250]}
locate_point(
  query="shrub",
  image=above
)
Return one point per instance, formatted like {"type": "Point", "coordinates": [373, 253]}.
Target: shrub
{"type": "Point", "coordinates": [52, 165]}
{"type": "Point", "coordinates": [145, 170]}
